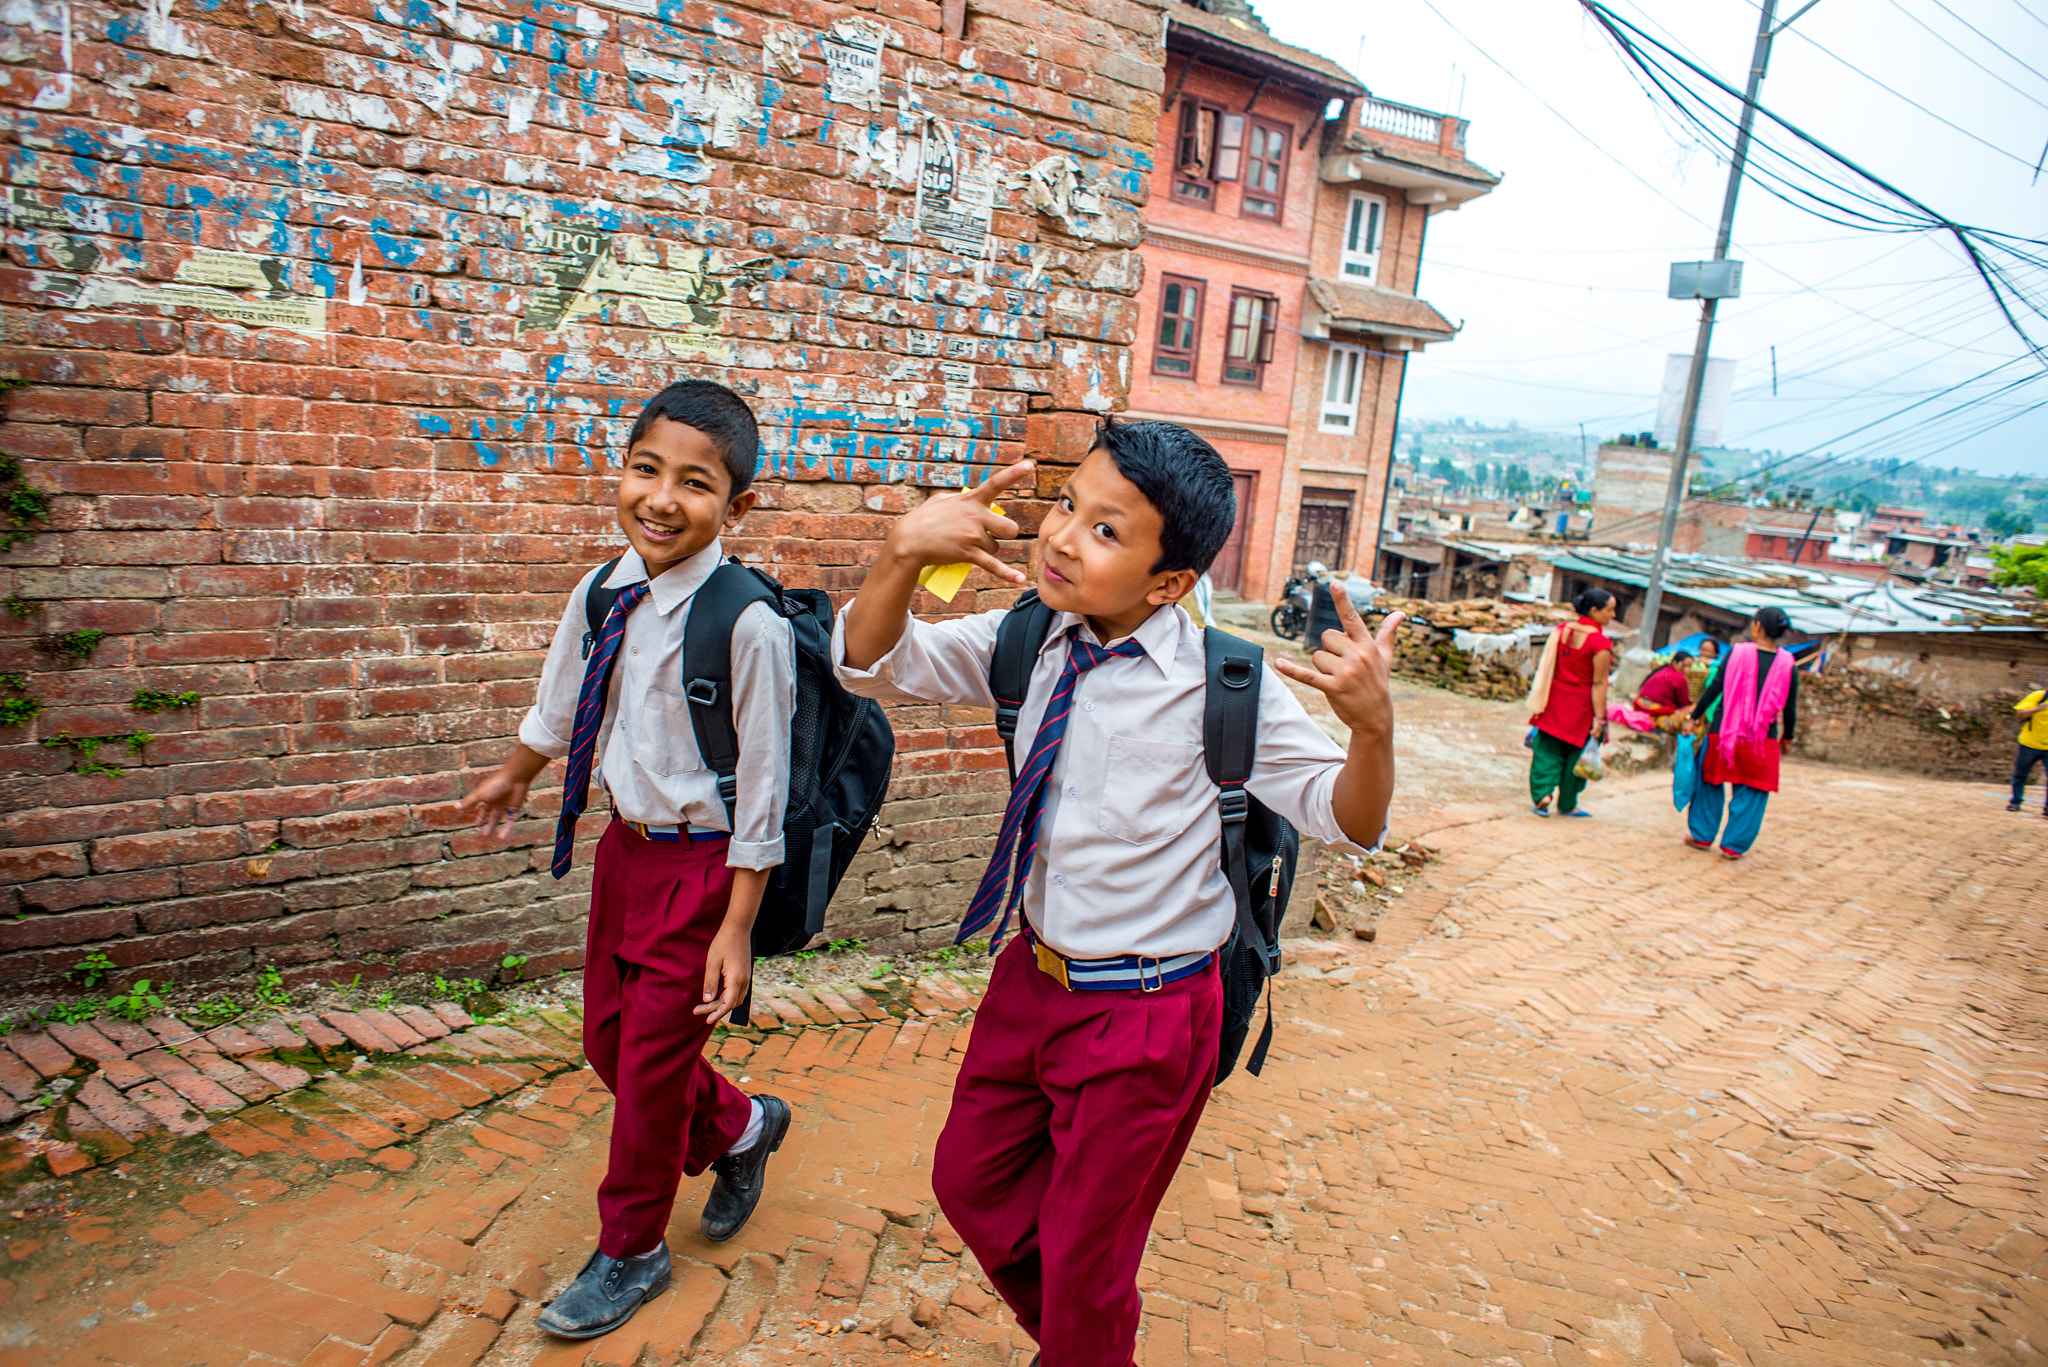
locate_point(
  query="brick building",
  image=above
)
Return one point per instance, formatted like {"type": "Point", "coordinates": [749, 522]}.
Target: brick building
{"type": "Point", "coordinates": [332, 321]}
{"type": "Point", "coordinates": [1282, 250]}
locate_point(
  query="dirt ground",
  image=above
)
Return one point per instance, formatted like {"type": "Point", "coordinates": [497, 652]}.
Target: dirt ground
{"type": "Point", "coordinates": [1590, 1098]}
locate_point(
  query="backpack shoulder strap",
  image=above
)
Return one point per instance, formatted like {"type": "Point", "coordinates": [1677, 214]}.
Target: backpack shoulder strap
{"type": "Point", "coordinates": [707, 666]}
{"type": "Point", "coordinates": [597, 603]}
{"type": "Point", "coordinates": [1018, 641]}
{"type": "Point", "coordinates": [1230, 738]}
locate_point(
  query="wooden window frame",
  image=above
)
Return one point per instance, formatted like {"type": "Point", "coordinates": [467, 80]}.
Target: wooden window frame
{"type": "Point", "coordinates": [1192, 353]}
{"type": "Point", "coordinates": [1347, 257]}
{"type": "Point", "coordinates": [1268, 325]}
{"type": "Point", "coordinates": [1338, 353]}
{"type": "Point", "coordinates": [1279, 194]}
{"type": "Point", "coordinates": [1197, 190]}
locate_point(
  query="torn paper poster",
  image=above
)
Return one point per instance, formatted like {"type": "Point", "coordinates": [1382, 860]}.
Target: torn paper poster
{"type": "Point", "coordinates": [782, 47]}
{"type": "Point", "coordinates": [76, 213]}
{"type": "Point", "coordinates": [853, 62]}
{"type": "Point", "coordinates": [956, 196]}
{"type": "Point", "coordinates": [233, 271]}
{"type": "Point", "coordinates": [959, 380]}
{"type": "Point", "coordinates": [676, 288]}
{"type": "Point", "coordinates": [291, 311]}
{"type": "Point", "coordinates": [1049, 185]}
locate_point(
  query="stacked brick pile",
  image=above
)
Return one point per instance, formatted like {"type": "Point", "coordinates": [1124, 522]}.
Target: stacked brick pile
{"type": "Point", "coordinates": [1428, 650]}
{"type": "Point", "coordinates": [332, 320]}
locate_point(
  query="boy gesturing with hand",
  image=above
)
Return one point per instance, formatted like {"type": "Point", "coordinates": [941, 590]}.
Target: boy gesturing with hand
{"type": "Point", "coordinates": [1096, 1044]}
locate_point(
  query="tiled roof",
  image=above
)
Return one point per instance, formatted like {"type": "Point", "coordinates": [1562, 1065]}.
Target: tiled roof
{"type": "Point", "coordinates": [1364, 307]}
{"type": "Point", "coordinates": [1317, 72]}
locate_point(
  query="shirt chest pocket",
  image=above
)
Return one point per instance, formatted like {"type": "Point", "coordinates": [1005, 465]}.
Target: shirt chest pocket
{"type": "Point", "coordinates": [1152, 790]}
{"type": "Point", "coordinates": [666, 743]}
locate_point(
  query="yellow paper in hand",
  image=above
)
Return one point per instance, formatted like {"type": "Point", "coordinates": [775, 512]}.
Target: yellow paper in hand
{"type": "Point", "coordinates": [944, 581]}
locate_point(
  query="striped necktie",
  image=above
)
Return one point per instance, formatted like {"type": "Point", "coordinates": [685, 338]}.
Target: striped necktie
{"type": "Point", "coordinates": [597, 677]}
{"type": "Point", "coordinates": [1002, 886]}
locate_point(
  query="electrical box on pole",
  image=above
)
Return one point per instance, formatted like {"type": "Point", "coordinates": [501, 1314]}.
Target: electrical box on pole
{"type": "Point", "coordinates": [1706, 280]}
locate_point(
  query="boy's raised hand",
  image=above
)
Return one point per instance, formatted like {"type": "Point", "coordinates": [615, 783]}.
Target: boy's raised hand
{"type": "Point", "coordinates": [1352, 668]}
{"type": "Point", "coordinates": [962, 526]}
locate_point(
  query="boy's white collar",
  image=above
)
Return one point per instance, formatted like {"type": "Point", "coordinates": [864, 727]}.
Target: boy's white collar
{"type": "Point", "coordinates": [673, 589]}
{"type": "Point", "coordinates": [1160, 634]}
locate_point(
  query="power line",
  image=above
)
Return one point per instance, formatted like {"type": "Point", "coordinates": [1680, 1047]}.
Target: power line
{"type": "Point", "coordinates": [1895, 91]}
{"type": "Point", "coordinates": [1982, 247]}
{"type": "Point", "coordinates": [1962, 54]}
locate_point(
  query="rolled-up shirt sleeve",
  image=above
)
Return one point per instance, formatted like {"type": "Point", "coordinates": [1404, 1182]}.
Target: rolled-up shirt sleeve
{"type": "Point", "coordinates": [764, 701]}
{"type": "Point", "coordinates": [550, 724]}
{"type": "Point", "coordinates": [945, 662]}
{"type": "Point", "coordinates": [1296, 767]}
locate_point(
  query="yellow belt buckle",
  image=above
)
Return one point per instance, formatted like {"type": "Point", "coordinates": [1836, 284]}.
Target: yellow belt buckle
{"type": "Point", "coordinates": [1051, 964]}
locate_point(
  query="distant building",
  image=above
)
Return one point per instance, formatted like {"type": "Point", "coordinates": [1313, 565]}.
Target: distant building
{"type": "Point", "coordinates": [1281, 258]}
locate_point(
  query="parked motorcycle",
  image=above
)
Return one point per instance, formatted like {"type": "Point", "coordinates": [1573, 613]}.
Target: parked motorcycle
{"type": "Point", "coordinates": [1290, 619]}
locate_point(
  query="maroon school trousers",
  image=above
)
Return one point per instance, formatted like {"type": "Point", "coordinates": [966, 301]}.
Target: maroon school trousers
{"type": "Point", "coordinates": [1070, 1116]}
{"type": "Point", "coordinates": [655, 907]}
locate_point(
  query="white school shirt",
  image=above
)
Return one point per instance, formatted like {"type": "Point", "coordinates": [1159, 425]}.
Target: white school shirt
{"type": "Point", "coordinates": [647, 747]}
{"type": "Point", "coordinates": [1130, 850]}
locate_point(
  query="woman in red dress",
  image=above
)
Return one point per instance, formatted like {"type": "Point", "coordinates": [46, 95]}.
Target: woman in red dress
{"type": "Point", "coordinates": [1667, 694]}
{"type": "Point", "coordinates": [1568, 700]}
{"type": "Point", "coordinates": [1752, 704]}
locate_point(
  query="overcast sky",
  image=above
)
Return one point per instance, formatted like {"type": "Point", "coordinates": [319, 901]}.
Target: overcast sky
{"type": "Point", "coordinates": [1559, 275]}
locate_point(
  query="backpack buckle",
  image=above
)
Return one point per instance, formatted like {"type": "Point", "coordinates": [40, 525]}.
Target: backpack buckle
{"type": "Point", "coordinates": [1006, 718]}
{"type": "Point", "coordinates": [728, 789]}
{"type": "Point", "coordinates": [702, 692]}
{"type": "Point", "coordinates": [1234, 805]}
{"type": "Point", "coordinates": [589, 641]}
{"type": "Point", "coordinates": [1236, 673]}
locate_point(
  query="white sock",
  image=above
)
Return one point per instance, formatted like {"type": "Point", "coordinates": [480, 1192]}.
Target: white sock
{"type": "Point", "coordinates": [643, 1257]}
{"type": "Point", "coordinates": [752, 1134]}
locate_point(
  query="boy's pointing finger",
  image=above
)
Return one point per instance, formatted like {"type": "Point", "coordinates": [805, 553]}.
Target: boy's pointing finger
{"type": "Point", "coordinates": [1009, 477]}
{"type": "Point", "coordinates": [1347, 614]}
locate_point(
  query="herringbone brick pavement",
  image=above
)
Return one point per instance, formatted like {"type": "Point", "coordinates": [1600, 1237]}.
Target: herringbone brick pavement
{"type": "Point", "coordinates": [1591, 1098]}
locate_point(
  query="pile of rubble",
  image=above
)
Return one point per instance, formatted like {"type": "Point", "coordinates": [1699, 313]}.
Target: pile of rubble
{"type": "Point", "coordinates": [1481, 647]}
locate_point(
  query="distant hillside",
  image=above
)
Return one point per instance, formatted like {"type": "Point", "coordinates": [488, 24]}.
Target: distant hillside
{"type": "Point", "coordinates": [1513, 458]}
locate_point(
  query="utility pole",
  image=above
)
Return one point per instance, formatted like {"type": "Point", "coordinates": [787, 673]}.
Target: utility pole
{"type": "Point", "coordinates": [1688, 414]}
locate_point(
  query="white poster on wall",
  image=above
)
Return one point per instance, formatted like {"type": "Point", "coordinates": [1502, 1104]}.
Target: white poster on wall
{"type": "Point", "coordinates": [1719, 383]}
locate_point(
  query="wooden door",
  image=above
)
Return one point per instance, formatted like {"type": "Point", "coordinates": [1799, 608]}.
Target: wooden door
{"type": "Point", "coordinates": [1228, 570]}
{"type": "Point", "coordinates": [1323, 530]}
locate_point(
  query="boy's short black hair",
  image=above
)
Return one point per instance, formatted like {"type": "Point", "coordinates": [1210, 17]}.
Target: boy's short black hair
{"type": "Point", "coordinates": [719, 414]}
{"type": "Point", "coordinates": [1182, 476]}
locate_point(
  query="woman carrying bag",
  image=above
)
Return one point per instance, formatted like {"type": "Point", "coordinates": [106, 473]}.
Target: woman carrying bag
{"type": "Point", "coordinates": [1567, 701]}
{"type": "Point", "coordinates": [1753, 705]}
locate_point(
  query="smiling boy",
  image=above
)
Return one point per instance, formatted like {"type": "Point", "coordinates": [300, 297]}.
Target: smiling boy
{"type": "Point", "coordinates": [1095, 1046]}
{"type": "Point", "coordinates": [676, 885]}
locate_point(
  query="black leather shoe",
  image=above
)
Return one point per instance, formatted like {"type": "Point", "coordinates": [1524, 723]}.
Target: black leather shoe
{"type": "Point", "coordinates": [740, 1176]}
{"type": "Point", "coordinates": [605, 1294]}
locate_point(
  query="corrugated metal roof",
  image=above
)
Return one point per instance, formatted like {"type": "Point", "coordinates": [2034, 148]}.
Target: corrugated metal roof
{"type": "Point", "coordinates": [1818, 603]}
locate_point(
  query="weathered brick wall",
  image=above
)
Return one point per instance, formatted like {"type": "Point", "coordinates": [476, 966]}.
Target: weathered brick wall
{"type": "Point", "coordinates": [1866, 719]}
{"type": "Point", "coordinates": [333, 318]}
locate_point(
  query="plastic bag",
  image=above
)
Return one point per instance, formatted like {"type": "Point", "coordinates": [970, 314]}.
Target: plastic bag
{"type": "Point", "coordinates": [1685, 772]}
{"type": "Point", "coordinates": [1529, 741]}
{"type": "Point", "coordinates": [1589, 766]}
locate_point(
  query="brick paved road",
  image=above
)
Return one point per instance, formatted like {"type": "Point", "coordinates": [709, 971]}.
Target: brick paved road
{"type": "Point", "coordinates": [1591, 1098]}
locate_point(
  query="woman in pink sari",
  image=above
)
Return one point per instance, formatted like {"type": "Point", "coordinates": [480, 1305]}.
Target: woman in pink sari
{"type": "Point", "coordinates": [1752, 704]}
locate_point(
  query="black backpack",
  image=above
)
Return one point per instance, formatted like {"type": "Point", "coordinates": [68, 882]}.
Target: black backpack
{"type": "Point", "coordinates": [1260, 849]}
{"type": "Point", "coordinates": [840, 746]}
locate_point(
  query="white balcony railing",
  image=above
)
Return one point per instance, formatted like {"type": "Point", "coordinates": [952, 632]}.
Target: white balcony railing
{"type": "Point", "coordinates": [1402, 121]}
